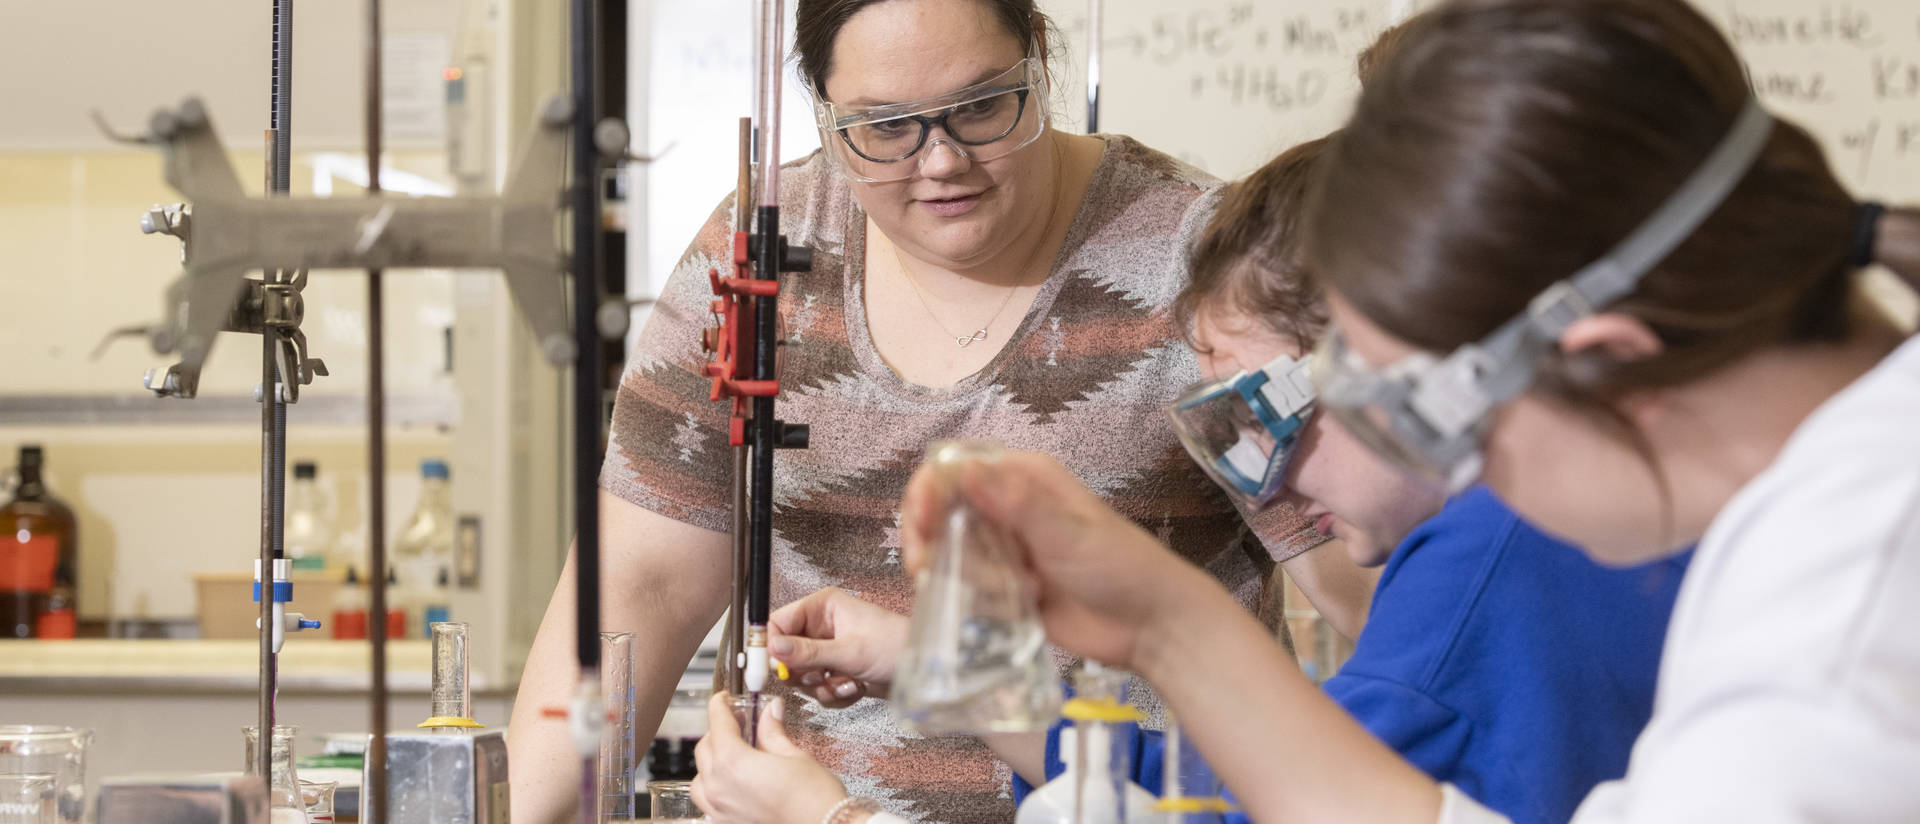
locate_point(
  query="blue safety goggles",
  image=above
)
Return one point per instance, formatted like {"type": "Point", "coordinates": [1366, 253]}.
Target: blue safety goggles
{"type": "Point", "coordinates": [1242, 430]}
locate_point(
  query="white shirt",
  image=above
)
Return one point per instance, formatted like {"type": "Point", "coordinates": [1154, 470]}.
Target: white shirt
{"type": "Point", "coordinates": [1790, 682]}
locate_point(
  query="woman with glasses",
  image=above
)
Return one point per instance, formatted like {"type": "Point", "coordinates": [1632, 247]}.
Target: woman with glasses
{"type": "Point", "coordinates": [976, 274]}
{"type": "Point", "coordinates": [1570, 256]}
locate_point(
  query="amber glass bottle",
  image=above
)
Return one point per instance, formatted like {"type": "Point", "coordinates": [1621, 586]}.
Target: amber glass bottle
{"type": "Point", "coordinates": [39, 558]}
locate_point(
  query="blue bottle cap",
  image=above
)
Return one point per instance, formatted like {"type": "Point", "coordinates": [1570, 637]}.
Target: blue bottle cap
{"type": "Point", "coordinates": [434, 468]}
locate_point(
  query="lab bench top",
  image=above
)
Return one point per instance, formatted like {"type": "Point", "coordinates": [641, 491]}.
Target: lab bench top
{"type": "Point", "coordinates": [113, 666]}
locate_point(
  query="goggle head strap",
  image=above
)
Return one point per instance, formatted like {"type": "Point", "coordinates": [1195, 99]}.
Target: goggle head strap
{"type": "Point", "coordinates": [1454, 397]}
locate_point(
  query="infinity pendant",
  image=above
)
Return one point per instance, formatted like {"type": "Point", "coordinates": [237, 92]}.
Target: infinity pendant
{"type": "Point", "coordinates": [967, 340]}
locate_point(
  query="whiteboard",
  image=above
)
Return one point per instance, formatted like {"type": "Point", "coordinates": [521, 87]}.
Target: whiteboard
{"type": "Point", "coordinates": [1221, 85]}
{"type": "Point", "coordinates": [1226, 84]}
{"type": "Point", "coordinates": [700, 83]}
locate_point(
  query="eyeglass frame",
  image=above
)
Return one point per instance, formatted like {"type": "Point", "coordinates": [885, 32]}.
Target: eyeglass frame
{"type": "Point", "coordinates": [826, 121]}
{"type": "Point", "coordinates": [927, 124]}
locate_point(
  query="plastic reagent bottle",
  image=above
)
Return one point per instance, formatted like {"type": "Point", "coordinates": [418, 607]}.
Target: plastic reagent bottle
{"type": "Point", "coordinates": [350, 609]}
{"type": "Point", "coordinates": [425, 546]}
{"type": "Point", "coordinates": [309, 525]}
{"type": "Point", "coordinates": [1096, 786]}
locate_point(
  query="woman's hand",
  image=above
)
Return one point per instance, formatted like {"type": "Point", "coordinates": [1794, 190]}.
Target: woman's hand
{"type": "Point", "coordinates": [776, 784]}
{"type": "Point", "coordinates": [840, 649]}
{"type": "Point", "coordinates": [1101, 580]}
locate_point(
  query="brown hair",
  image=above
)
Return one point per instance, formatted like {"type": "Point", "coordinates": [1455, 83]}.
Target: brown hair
{"type": "Point", "coordinates": [817, 25]}
{"type": "Point", "coordinates": [1506, 143]}
{"type": "Point", "coordinates": [1249, 256]}
{"type": "Point", "coordinates": [1375, 53]}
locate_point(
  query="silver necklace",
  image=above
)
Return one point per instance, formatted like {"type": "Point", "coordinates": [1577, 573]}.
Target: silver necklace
{"type": "Point", "coordinates": [964, 341]}
{"type": "Point", "coordinates": [979, 334]}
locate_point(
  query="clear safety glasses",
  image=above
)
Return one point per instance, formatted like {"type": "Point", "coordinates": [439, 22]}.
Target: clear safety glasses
{"type": "Point", "coordinates": [1430, 414]}
{"type": "Point", "coordinates": [985, 121]}
{"type": "Point", "coordinates": [1242, 430]}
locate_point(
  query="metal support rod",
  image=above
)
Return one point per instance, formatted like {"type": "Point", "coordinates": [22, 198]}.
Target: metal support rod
{"type": "Point", "coordinates": [263, 763]}
{"type": "Point", "coordinates": [735, 647]}
{"type": "Point", "coordinates": [587, 451]}
{"type": "Point", "coordinates": [282, 122]}
{"type": "Point", "coordinates": [1095, 28]}
{"type": "Point", "coordinates": [273, 412]}
{"type": "Point", "coordinates": [376, 454]}
{"type": "Point", "coordinates": [736, 641]}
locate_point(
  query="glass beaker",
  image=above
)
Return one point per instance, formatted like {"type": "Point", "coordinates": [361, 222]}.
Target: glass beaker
{"type": "Point", "coordinates": [616, 741]}
{"type": "Point", "coordinates": [43, 772]}
{"type": "Point", "coordinates": [283, 785]}
{"type": "Point", "coordinates": [746, 713]}
{"type": "Point", "coordinates": [317, 797]}
{"type": "Point", "coordinates": [673, 802]}
{"type": "Point", "coordinates": [975, 660]}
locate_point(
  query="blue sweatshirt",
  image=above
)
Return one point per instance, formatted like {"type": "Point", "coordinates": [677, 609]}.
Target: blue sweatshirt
{"type": "Point", "coordinates": [1498, 659]}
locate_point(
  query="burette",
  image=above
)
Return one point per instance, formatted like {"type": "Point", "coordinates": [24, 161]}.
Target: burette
{"type": "Point", "coordinates": [1095, 26]}
{"type": "Point", "coordinates": [745, 365]}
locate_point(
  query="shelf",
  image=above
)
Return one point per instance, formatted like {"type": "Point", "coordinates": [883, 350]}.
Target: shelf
{"type": "Point", "coordinates": [117, 666]}
{"type": "Point", "coordinates": [144, 408]}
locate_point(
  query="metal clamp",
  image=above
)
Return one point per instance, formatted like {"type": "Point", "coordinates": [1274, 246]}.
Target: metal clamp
{"type": "Point", "coordinates": [225, 234]}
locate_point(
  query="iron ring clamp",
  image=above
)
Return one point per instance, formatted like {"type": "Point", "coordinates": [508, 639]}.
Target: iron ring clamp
{"type": "Point", "coordinates": [224, 233]}
{"type": "Point", "coordinates": [270, 305]}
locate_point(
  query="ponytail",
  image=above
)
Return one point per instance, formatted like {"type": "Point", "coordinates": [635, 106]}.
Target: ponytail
{"type": "Point", "coordinates": [1893, 240]}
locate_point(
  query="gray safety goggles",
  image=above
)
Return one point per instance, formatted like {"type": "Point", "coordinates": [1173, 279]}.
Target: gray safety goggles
{"type": "Point", "coordinates": [1430, 414]}
{"type": "Point", "coordinates": [985, 121]}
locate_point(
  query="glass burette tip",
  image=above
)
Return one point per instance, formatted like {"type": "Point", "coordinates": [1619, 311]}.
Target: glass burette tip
{"type": "Point", "coordinates": [756, 683]}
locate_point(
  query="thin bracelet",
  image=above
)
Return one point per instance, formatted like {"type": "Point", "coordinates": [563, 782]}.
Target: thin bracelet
{"type": "Point", "coordinates": [847, 808]}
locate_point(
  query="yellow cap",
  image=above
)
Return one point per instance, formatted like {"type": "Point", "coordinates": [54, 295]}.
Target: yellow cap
{"type": "Point", "coordinates": [450, 721]}
{"type": "Point", "coordinates": [1101, 709]}
{"type": "Point", "coordinates": [1193, 805]}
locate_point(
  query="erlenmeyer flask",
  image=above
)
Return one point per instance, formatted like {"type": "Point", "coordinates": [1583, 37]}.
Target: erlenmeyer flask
{"type": "Point", "coordinates": [283, 785]}
{"type": "Point", "coordinates": [975, 660]}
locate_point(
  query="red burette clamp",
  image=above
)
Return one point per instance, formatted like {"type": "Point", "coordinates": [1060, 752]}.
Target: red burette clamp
{"type": "Point", "coordinates": [733, 309]}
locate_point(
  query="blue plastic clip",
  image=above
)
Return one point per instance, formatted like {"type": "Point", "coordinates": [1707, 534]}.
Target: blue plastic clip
{"type": "Point", "coordinates": [282, 591]}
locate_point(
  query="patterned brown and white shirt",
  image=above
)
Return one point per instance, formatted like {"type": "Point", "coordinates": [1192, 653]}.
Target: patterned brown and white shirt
{"type": "Point", "coordinates": [1085, 377]}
